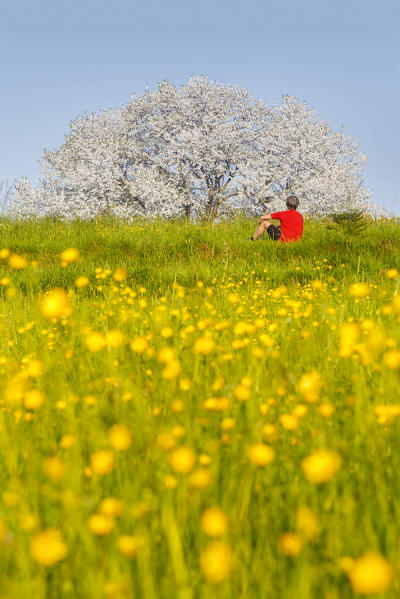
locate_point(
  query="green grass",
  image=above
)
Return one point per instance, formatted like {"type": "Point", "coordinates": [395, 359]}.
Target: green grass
{"type": "Point", "coordinates": [275, 312]}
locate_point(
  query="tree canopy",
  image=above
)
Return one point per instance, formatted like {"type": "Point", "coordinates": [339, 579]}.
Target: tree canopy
{"type": "Point", "coordinates": [203, 150]}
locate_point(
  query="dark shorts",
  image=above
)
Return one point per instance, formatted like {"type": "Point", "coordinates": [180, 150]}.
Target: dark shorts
{"type": "Point", "coordinates": [274, 232]}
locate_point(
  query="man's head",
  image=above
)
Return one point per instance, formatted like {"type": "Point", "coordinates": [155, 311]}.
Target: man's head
{"type": "Point", "coordinates": [292, 203]}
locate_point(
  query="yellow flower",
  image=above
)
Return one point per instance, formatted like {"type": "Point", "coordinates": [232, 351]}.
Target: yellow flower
{"type": "Point", "coordinates": [289, 422]}
{"type": "Point", "coordinates": [291, 544]}
{"type": "Point", "coordinates": [371, 573]}
{"type": "Point", "coordinates": [4, 253]}
{"type": "Point", "coordinates": [359, 289]}
{"type": "Point", "coordinates": [34, 368]}
{"type": "Point", "coordinates": [392, 273]}
{"type": "Point", "coordinates": [326, 410]}
{"type": "Point", "coordinates": [111, 506]}
{"type": "Point", "coordinates": [95, 342]}
{"type": "Point", "coordinates": [120, 274]}
{"type": "Point", "coordinates": [54, 468]}
{"type": "Point", "coordinates": [3, 530]}
{"type": "Point", "coordinates": [70, 255]}
{"type": "Point", "coordinates": [48, 547]}
{"type": "Point", "coordinates": [114, 339]}
{"type": "Point", "coordinates": [67, 441]}
{"type": "Point", "coordinates": [242, 392]}
{"type": "Point", "coordinates": [216, 562]}
{"type": "Point", "coordinates": [204, 346]}
{"type": "Point", "coordinates": [139, 345]}
{"type": "Point", "coordinates": [214, 522]}
{"type": "Point", "coordinates": [167, 332]}
{"type": "Point", "coordinates": [321, 466]}
{"type": "Point", "coordinates": [310, 386]}
{"type": "Point", "coordinates": [185, 384]}
{"type": "Point", "coordinates": [392, 359]}
{"type": "Point", "coordinates": [120, 437]}
{"type": "Point", "coordinates": [182, 460]}
{"type": "Point", "coordinates": [396, 303]}
{"type": "Point", "coordinates": [307, 523]}
{"type": "Point", "coordinates": [33, 399]}
{"type": "Point", "coordinates": [166, 354]}
{"type": "Point", "coordinates": [55, 304]}
{"type": "Point", "coordinates": [130, 545]}
{"type": "Point", "coordinates": [100, 524]}
{"type": "Point", "coordinates": [260, 454]}
{"type": "Point", "coordinates": [349, 333]}
{"type": "Point", "coordinates": [17, 262]}
{"type": "Point", "coordinates": [200, 478]}
{"type": "Point", "coordinates": [171, 370]}
{"type": "Point", "coordinates": [102, 461]}
{"type": "Point", "coordinates": [81, 282]}
{"type": "Point", "coordinates": [233, 298]}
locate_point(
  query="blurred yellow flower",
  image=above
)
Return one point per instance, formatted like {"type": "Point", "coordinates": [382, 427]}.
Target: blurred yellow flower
{"type": "Point", "coordinates": [326, 410]}
{"type": "Point", "coordinates": [34, 368]}
{"type": "Point", "coordinates": [70, 255]}
{"type": "Point", "coordinates": [167, 332]}
{"type": "Point", "coordinates": [130, 545]}
{"type": "Point", "coordinates": [166, 354]}
{"type": "Point", "coordinates": [171, 370]}
{"type": "Point", "coordinates": [391, 359]}
{"type": "Point", "coordinates": [310, 386]}
{"type": "Point", "coordinates": [33, 399]}
{"type": "Point", "coordinates": [82, 282]}
{"type": "Point", "coordinates": [120, 274]}
{"type": "Point", "coordinates": [182, 460]}
{"type": "Point", "coordinates": [120, 437]}
{"type": "Point", "coordinates": [289, 421]}
{"type": "Point", "coordinates": [242, 392]}
{"type": "Point", "coordinates": [204, 346]}
{"type": "Point", "coordinates": [95, 342]}
{"type": "Point", "coordinates": [291, 544]}
{"type": "Point", "coordinates": [4, 253]}
{"type": "Point", "coordinates": [3, 529]}
{"type": "Point", "coordinates": [200, 478]}
{"type": "Point", "coordinates": [307, 523]}
{"type": "Point", "coordinates": [111, 506]}
{"type": "Point", "coordinates": [214, 522]}
{"type": "Point", "coordinates": [321, 466]}
{"type": "Point", "coordinates": [55, 304]}
{"type": "Point", "coordinates": [114, 338]}
{"type": "Point", "coordinates": [17, 262]}
{"type": "Point", "coordinates": [359, 289]}
{"type": "Point", "coordinates": [139, 344]}
{"type": "Point", "coordinates": [48, 547]}
{"type": "Point", "coordinates": [371, 573]}
{"type": "Point", "coordinates": [349, 333]}
{"type": "Point", "coordinates": [216, 561]}
{"type": "Point", "coordinates": [392, 273]}
{"type": "Point", "coordinates": [260, 454]}
{"type": "Point", "coordinates": [54, 468]}
{"type": "Point", "coordinates": [102, 461]}
{"type": "Point", "coordinates": [100, 524]}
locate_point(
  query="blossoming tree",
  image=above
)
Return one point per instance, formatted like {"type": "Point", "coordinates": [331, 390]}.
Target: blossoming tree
{"type": "Point", "coordinates": [202, 150]}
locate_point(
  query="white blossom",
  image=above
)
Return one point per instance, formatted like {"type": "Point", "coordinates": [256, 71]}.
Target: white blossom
{"type": "Point", "coordinates": [203, 150]}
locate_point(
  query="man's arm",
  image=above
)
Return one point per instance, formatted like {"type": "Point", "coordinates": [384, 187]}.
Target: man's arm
{"type": "Point", "coordinates": [265, 217]}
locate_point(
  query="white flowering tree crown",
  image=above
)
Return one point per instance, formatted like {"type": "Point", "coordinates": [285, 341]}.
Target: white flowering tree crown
{"type": "Point", "coordinates": [203, 150]}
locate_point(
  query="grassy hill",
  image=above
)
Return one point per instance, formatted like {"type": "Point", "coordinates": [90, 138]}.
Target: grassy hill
{"type": "Point", "coordinates": [185, 413]}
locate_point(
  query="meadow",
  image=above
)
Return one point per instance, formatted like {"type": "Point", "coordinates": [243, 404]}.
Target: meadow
{"type": "Point", "coordinates": [187, 414]}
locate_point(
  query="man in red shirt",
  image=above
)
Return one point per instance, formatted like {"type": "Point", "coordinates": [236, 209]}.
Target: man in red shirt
{"type": "Point", "coordinates": [291, 223]}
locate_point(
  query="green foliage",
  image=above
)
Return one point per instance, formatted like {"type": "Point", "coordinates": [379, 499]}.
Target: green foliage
{"type": "Point", "coordinates": [353, 222]}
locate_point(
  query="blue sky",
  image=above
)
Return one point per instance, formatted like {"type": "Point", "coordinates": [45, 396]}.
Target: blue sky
{"type": "Point", "coordinates": [61, 58]}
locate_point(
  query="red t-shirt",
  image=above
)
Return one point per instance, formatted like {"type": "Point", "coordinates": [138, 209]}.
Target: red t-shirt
{"type": "Point", "coordinates": [291, 224]}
